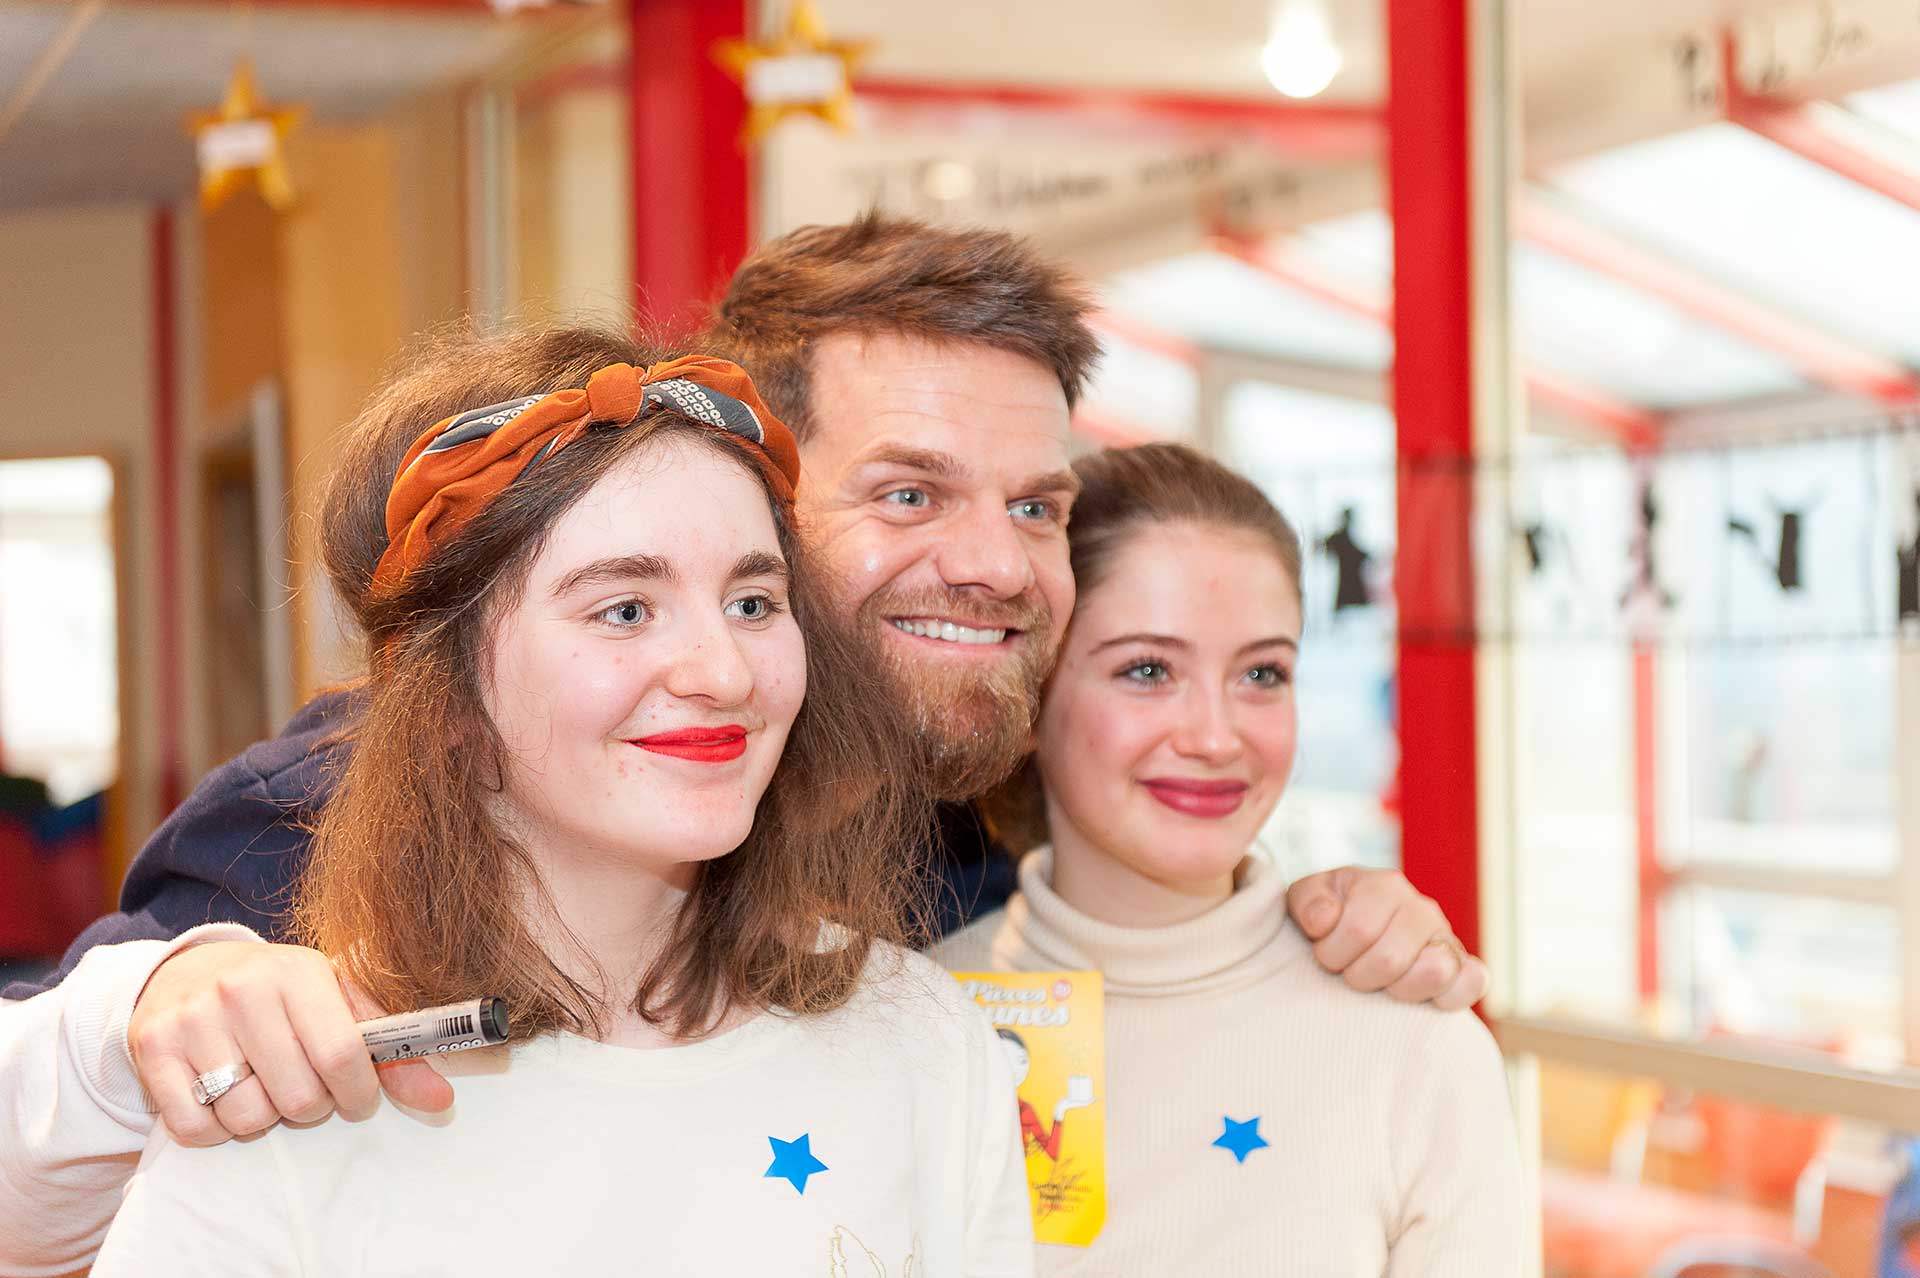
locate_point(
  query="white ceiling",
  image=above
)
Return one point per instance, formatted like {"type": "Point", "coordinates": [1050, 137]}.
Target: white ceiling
{"type": "Point", "coordinates": [1213, 46]}
{"type": "Point", "coordinates": [109, 124]}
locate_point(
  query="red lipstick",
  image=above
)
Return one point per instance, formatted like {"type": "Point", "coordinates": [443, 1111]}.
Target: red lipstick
{"type": "Point", "coordinates": [698, 745]}
{"type": "Point", "coordinates": [1207, 799]}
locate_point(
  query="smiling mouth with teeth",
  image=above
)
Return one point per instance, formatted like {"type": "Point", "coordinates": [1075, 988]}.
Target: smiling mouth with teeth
{"type": "Point", "coordinates": [932, 628]}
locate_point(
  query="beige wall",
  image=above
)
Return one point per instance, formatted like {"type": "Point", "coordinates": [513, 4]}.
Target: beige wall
{"type": "Point", "coordinates": [574, 244]}
{"type": "Point", "coordinates": [321, 298]}
{"type": "Point", "coordinates": [239, 335]}
{"type": "Point", "coordinates": [373, 253]}
{"type": "Point", "coordinates": [76, 373]}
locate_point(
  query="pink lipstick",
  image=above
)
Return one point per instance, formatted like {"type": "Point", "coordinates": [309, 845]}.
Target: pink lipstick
{"type": "Point", "coordinates": [1210, 800]}
{"type": "Point", "coordinates": [698, 745]}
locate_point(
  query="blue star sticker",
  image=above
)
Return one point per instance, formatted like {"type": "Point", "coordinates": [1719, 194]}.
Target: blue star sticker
{"type": "Point", "coordinates": [793, 1160]}
{"type": "Point", "coordinates": [1240, 1139]}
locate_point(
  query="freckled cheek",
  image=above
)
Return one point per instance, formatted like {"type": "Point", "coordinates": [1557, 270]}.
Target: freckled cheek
{"type": "Point", "coordinates": [780, 679]}
{"type": "Point", "coordinates": [594, 694]}
{"type": "Point", "coordinates": [508, 701]}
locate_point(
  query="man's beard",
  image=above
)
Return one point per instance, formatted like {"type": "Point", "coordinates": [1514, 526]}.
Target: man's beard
{"type": "Point", "coordinates": [976, 724]}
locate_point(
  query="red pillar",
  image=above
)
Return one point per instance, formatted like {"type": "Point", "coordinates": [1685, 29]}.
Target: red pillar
{"type": "Point", "coordinates": [1429, 166]}
{"type": "Point", "coordinates": [1646, 824]}
{"type": "Point", "coordinates": [170, 702]}
{"type": "Point", "coordinates": [690, 169]}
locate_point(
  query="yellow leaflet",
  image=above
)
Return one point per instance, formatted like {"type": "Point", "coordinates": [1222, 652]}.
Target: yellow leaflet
{"type": "Point", "coordinates": [1052, 1026]}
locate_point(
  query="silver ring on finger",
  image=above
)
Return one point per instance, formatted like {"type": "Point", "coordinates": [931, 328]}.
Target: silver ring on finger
{"type": "Point", "coordinates": [215, 1083]}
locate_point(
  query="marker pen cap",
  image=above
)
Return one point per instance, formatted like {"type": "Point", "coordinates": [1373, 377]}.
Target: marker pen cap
{"type": "Point", "coordinates": [493, 1020]}
{"type": "Point", "coordinates": [431, 1031]}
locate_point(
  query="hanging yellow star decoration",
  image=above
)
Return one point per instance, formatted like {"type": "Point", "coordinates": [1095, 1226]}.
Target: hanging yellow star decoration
{"type": "Point", "coordinates": [240, 143]}
{"type": "Point", "coordinates": [798, 72]}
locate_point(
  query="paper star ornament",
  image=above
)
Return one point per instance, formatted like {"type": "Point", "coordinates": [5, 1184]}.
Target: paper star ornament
{"type": "Point", "coordinates": [241, 143]}
{"type": "Point", "coordinates": [797, 72]}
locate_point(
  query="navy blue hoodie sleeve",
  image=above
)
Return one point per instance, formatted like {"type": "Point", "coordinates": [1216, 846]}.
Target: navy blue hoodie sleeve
{"type": "Point", "coordinates": [232, 851]}
{"type": "Point", "coordinates": [975, 873]}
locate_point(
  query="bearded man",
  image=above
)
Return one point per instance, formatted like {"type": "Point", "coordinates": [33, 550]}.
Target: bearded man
{"type": "Point", "coordinates": [930, 376]}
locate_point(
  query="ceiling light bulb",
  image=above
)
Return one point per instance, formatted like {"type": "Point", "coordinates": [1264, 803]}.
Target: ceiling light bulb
{"type": "Point", "coordinates": [1301, 58]}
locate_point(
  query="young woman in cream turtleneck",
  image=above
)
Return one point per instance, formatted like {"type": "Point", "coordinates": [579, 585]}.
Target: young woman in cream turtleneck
{"type": "Point", "coordinates": [1262, 1117]}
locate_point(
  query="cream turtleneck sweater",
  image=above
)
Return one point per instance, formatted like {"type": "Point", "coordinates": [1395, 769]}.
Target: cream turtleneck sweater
{"type": "Point", "coordinates": [1390, 1149]}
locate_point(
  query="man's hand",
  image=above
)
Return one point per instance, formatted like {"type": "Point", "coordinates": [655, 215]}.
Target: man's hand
{"type": "Point", "coordinates": [282, 1011]}
{"type": "Point", "coordinates": [1372, 928]}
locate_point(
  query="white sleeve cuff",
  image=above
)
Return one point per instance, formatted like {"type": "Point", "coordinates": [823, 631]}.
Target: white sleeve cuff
{"type": "Point", "coordinates": [100, 997]}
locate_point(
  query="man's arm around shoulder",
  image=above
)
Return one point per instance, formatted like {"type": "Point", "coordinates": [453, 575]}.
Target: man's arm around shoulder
{"type": "Point", "coordinates": [73, 1115]}
{"type": "Point", "coordinates": [232, 851]}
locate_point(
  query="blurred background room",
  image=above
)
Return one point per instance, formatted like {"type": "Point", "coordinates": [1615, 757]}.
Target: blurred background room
{"type": "Point", "coordinates": [1581, 340]}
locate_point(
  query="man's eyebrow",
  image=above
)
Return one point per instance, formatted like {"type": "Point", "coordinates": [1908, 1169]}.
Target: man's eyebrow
{"type": "Point", "coordinates": [620, 568]}
{"type": "Point", "coordinates": [1058, 481]}
{"type": "Point", "coordinates": [931, 461]}
{"type": "Point", "coordinates": [758, 563]}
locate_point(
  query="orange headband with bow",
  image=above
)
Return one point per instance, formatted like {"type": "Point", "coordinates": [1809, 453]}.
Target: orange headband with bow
{"type": "Point", "coordinates": [460, 465]}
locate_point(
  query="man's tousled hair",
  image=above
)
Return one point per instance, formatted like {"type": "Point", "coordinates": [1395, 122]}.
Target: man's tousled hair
{"type": "Point", "coordinates": [889, 275]}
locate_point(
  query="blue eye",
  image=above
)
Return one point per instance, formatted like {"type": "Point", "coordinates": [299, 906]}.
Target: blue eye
{"type": "Point", "coordinates": [1270, 676]}
{"type": "Point", "coordinates": [628, 612]}
{"type": "Point", "coordinates": [913, 498]}
{"type": "Point", "coordinates": [1148, 672]}
{"type": "Point", "coordinates": [756, 608]}
{"type": "Point", "coordinates": [1033, 508]}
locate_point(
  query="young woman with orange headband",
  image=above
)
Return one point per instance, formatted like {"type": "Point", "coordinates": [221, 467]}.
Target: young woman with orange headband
{"type": "Point", "coordinates": [616, 768]}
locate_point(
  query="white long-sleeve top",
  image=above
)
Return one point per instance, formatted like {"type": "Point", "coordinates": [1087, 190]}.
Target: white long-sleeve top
{"type": "Point", "coordinates": [1374, 1138]}
{"type": "Point", "coordinates": [876, 1141]}
{"type": "Point", "coordinates": [73, 1116]}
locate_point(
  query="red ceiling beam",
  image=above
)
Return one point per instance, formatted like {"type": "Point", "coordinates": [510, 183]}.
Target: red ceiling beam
{"type": "Point", "coordinates": [1282, 261]}
{"type": "Point", "coordinates": [1627, 423]}
{"type": "Point", "coordinates": [1349, 131]}
{"type": "Point", "coordinates": [1329, 131]}
{"type": "Point", "coordinates": [1822, 358]}
{"type": "Point", "coordinates": [1835, 139]}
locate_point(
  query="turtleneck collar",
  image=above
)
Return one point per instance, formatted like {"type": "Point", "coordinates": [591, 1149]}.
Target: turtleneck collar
{"type": "Point", "coordinates": [1209, 952]}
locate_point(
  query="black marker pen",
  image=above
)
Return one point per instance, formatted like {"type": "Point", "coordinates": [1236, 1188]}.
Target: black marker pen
{"type": "Point", "coordinates": [434, 1030]}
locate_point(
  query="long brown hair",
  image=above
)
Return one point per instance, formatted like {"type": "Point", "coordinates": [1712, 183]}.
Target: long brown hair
{"type": "Point", "coordinates": [413, 887]}
{"type": "Point", "coordinates": [1124, 492]}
